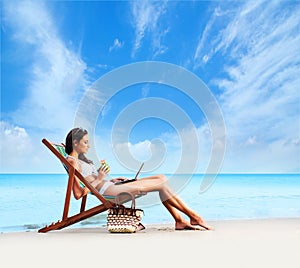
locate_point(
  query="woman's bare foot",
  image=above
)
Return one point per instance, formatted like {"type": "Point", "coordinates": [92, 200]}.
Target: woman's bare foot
{"type": "Point", "coordinates": [184, 226]}
{"type": "Point", "coordinates": [201, 222]}
{"type": "Point", "coordinates": [85, 191]}
{"type": "Point", "coordinates": [80, 192]}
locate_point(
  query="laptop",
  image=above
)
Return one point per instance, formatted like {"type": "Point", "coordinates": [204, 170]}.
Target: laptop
{"type": "Point", "coordinates": [135, 178]}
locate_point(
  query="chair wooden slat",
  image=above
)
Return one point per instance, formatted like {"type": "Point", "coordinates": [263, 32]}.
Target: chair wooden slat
{"type": "Point", "coordinates": [105, 201]}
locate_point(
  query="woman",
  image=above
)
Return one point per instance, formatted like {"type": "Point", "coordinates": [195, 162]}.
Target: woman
{"type": "Point", "coordinates": [77, 145]}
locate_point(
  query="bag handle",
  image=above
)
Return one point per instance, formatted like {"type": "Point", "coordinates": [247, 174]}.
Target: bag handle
{"type": "Point", "coordinates": [118, 201]}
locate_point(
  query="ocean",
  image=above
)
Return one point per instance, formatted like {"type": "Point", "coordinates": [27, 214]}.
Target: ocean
{"type": "Point", "coordinates": [30, 201]}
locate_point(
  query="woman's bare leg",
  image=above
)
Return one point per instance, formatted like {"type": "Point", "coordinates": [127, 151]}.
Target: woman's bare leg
{"type": "Point", "coordinates": [180, 222]}
{"type": "Point", "coordinates": [79, 191]}
{"type": "Point", "coordinates": [168, 196]}
{"type": "Point", "coordinates": [195, 219]}
{"type": "Point", "coordinates": [169, 199]}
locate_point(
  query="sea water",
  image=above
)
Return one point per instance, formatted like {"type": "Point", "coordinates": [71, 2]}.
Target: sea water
{"type": "Point", "coordinates": [30, 201]}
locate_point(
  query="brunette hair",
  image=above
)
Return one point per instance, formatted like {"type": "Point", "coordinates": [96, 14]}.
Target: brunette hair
{"type": "Point", "coordinates": [76, 134]}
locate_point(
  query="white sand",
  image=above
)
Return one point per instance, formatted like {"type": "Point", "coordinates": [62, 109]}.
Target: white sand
{"type": "Point", "coordinates": [246, 243]}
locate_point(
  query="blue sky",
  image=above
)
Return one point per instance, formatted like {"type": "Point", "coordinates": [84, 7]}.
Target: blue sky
{"type": "Point", "coordinates": [246, 52]}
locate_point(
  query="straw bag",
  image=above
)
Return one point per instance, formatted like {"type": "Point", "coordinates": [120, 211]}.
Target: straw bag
{"type": "Point", "coordinates": [124, 220]}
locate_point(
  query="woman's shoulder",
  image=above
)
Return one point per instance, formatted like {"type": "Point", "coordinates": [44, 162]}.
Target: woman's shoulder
{"type": "Point", "coordinates": [71, 159]}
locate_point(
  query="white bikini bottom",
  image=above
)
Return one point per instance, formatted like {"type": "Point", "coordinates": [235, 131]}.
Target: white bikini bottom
{"type": "Point", "coordinates": [105, 186]}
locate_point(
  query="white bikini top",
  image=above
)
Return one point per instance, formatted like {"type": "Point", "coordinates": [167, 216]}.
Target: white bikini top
{"type": "Point", "coordinates": [86, 168]}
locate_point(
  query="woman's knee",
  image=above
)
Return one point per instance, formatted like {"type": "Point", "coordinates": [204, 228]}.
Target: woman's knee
{"type": "Point", "coordinates": [162, 178]}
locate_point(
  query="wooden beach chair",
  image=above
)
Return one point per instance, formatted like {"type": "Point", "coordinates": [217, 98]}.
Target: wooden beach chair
{"type": "Point", "coordinates": [106, 202]}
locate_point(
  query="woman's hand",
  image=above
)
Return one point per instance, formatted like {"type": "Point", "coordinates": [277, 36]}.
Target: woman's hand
{"type": "Point", "coordinates": [103, 171]}
{"type": "Point", "coordinates": [118, 179]}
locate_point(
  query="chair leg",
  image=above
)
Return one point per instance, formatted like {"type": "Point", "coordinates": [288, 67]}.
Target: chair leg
{"type": "Point", "coordinates": [68, 193]}
{"type": "Point", "coordinates": [74, 219]}
{"type": "Point", "coordinates": [83, 203]}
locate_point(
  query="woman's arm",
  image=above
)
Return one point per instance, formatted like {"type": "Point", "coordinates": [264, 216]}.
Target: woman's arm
{"type": "Point", "coordinates": [78, 191]}
{"type": "Point", "coordinates": [102, 172]}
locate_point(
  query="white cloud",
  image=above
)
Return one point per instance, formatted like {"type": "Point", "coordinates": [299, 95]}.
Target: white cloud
{"type": "Point", "coordinates": [20, 153]}
{"type": "Point", "coordinates": [116, 45]}
{"type": "Point", "coordinates": [55, 81]}
{"type": "Point", "coordinates": [146, 15]}
{"type": "Point", "coordinates": [249, 155]}
{"type": "Point", "coordinates": [56, 77]}
{"type": "Point", "coordinates": [200, 50]}
{"type": "Point", "coordinates": [14, 141]}
{"type": "Point", "coordinates": [261, 94]}
{"type": "Point", "coordinates": [251, 140]}
{"type": "Point", "coordinates": [262, 85]}
{"type": "Point", "coordinates": [280, 156]}
{"type": "Point", "coordinates": [171, 152]}
{"type": "Point", "coordinates": [140, 150]}
{"type": "Point", "coordinates": [145, 90]}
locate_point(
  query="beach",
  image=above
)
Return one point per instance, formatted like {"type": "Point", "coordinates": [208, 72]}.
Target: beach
{"type": "Point", "coordinates": [233, 243]}
{"type": "Point", "coordinates": [256, 220]}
